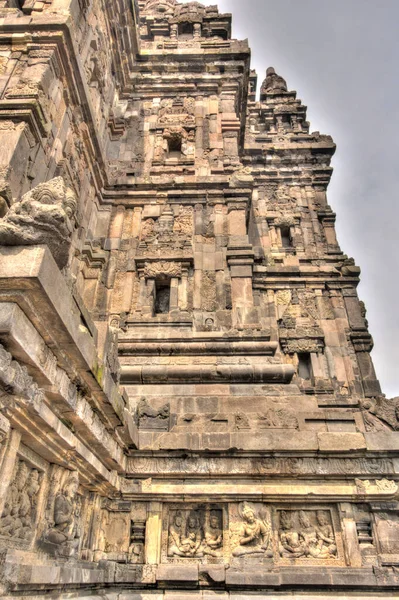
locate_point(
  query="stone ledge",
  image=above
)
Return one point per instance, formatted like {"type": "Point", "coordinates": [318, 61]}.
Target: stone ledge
{"type": "Point", "coordinates": [30, 277]}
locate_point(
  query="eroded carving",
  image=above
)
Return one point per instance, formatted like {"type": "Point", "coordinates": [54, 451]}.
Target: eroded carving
{"type": "Point", "coordinates": [381, 414]}
{"type": "Point", "coordinates": [194, 533]}
{"type": "Point", "coordinates": [45, 215]}
{"type": "Point", "coordinates": [20, 509]}
{"type": "Point", "coordinates": [165, 269]}
{"type": "Point", "coordinates": [150, 418]}
{"type": "Point", "coordinates": [306, 534]}
{"type": "Point", "coordinates": [62, 538]}
{"type": "Point", "coordinates": [271, 419]}
{"type": "Point", "coordinates": [273, 82]}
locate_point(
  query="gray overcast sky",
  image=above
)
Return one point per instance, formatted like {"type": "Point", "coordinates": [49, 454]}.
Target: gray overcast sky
{"type": "Point", "coordinates": [342, 58]}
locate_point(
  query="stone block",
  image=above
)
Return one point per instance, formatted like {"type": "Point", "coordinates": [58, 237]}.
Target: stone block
{"type": "Point", "coordinates": [382, 441]}
{"type": "Point", "coordinates": [309, 577]}
{"type": "Point", "coordinates": [187, 574]}
{"type": "Point", "coordinates": [341, 442]}
{"type": "Point", "coordinates": [251, 578]}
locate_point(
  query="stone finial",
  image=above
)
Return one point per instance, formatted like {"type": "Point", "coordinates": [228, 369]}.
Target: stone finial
{"type": "Point", "coordinates": [273, 83]}
{"type": "Point", "coordinates": [45, 215]}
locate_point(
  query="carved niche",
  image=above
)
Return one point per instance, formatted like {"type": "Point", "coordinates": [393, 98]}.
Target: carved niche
{"type": "Point", "coordinates": [308, 536]}
{"type": "Point", "coordinates": [250, 531]}
{"type": "Point", "coordinates": [194, 533]}
{"type": "Point", "coordinates": [121, 536]}
{"type": "Point", "coordinates": [45, 215]}
{"type": "Point", "coordinates": [18, 520]}
{"type": "Point", "coordinates": [62, 534]}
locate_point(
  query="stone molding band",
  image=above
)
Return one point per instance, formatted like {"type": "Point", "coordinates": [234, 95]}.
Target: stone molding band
{"type": "Point", "coordinates": [206, 374]}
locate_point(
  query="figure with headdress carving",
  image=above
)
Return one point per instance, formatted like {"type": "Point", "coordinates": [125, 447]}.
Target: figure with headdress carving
{"type": "Point", "coordinates": [290, 543]}
{"type": "Point", "coordinates": [254, 535]}
{"type": "Point", "coordinates": [213, 536]}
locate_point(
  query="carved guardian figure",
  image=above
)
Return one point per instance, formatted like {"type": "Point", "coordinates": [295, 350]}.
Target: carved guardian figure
{"type": "Point", "coordinates": [45, 215]}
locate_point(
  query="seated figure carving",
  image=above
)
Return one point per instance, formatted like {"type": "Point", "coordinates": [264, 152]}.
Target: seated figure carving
{"type": "Point", "coordinates": [213, 537]}
{"type": "Point", "coordinates": [313, 538]}
{"type": "Point", "coordinates": [186, 541]}
{"type": "Point", "coordinates": [255, 535]}
{"type": "Point", "coordinates": [45, 215]}
{"type": "Point", "coordinates": [64, 533]}
{"type": "Point", "coordinates": [325, 534]}
{"type": "Point", "coordinates": [290, 544]}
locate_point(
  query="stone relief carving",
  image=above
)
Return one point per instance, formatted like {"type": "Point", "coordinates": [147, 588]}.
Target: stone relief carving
{"type": "Point", "coordinates": [45, 215]}
{"type": "Point", "coordinates": [177, 112]}
{"type": "Point", "coordinates": [20, 509]}
{"type": "Point", "coordinates": [378, 486]}
{"type": "Point", "coordinates": [16, 379]}
{"type": "Point", "coordinates": [184, 222]}
{"type": "Point", "coordinates": [167, 232]}
{"type": "Point", "coordinates": [273, 82]}
{"type": "Point", "coordinates": [387, 525]}
{"type": "Point", "coordinates": [208, 287]}
{"type": "Point", "coordinates": [194, 532]}
{"type": "Point", "coordinates": [185, 537]}
{"type": "Point", "coordinates": [166, 269]}
{"type": "Point", "coordinates": [260, 466]}
{"type": "Point", "coordinates": [380, 414]}
{"type": "Point", "coordinates": [306, 534]}
{"type": "Point", "coordinates": [4, 429]}
{"type": "Point", "coordinates": [62, 537]}
{"type": "Point", "coordinates": [252, 535]}
{"type": "Point", "coordinates": [137, 541]}
{"type": "Point", "coordinates": [149, 418]}
{"type": "Point", "coordinates": [272, 419]}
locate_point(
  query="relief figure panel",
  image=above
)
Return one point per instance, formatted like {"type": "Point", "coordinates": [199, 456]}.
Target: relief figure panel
{"type": "Point", "coordinates": [18, 520]}
{"type": "Point", "coordinates": [308, 536]}
{"type": "Point", "coordinates": [250, 531]}
{"type": "Point", "coordinates": [194, 533]}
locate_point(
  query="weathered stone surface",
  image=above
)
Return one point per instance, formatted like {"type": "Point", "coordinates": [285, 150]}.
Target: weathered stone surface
{"type": "Point", "coordinates": [188, 405]}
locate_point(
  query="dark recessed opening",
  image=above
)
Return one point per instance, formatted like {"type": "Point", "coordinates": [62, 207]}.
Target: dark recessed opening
{"type": "Point", "coordinates": [175, 147]}
{"type": "Point", "coordinates": [186, 30]}
{"type": "Point", "coordinates": [305, 366]}
{"type": "Point", "coordinates": [162, 297]}
{"type": "Point", "coordinates": [286, 239]}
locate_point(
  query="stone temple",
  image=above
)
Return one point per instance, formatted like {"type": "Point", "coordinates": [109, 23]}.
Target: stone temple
{"type": "Point", "coordinates": [188, 407]}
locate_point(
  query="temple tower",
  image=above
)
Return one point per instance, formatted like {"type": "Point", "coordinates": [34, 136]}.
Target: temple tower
{"type": "Point", "coordinates": [188, 406]}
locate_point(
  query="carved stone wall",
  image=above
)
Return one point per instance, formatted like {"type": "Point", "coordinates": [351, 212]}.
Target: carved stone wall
{"type": "Point", "coordinates": [188, 405]}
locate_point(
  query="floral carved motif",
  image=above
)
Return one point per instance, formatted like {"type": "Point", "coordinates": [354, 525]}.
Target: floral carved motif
{"type": "Point", "coordinates": [162, 268]}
